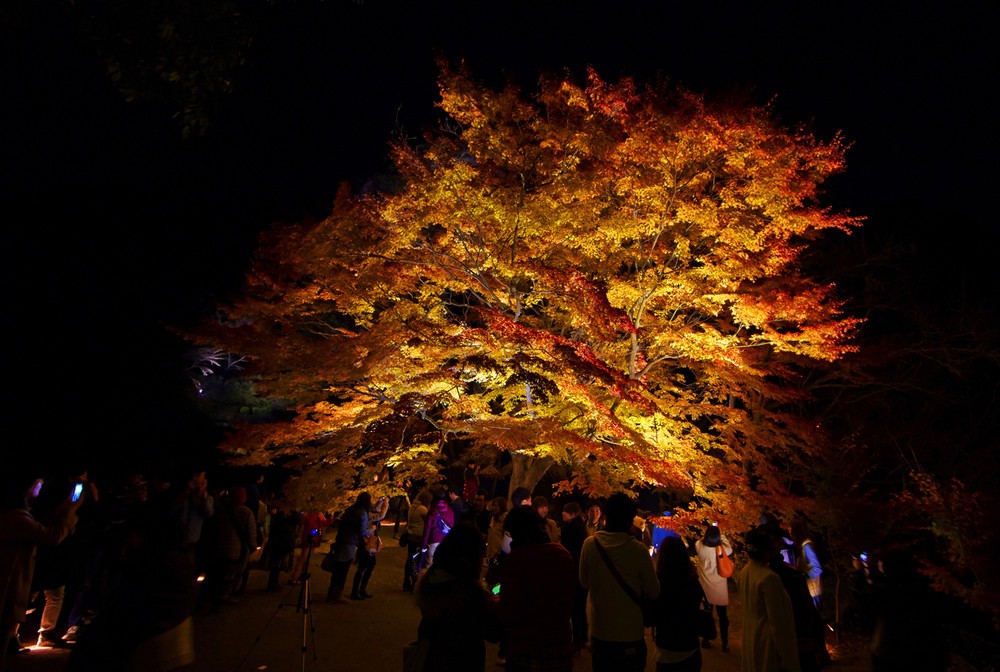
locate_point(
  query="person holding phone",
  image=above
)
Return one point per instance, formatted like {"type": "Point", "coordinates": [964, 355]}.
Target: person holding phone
{"type": "Point", "coordinates": [20, 535]}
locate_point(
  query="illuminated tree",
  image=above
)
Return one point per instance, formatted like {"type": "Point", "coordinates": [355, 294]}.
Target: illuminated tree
{"type": "Point", "coordinates": [602, 276]}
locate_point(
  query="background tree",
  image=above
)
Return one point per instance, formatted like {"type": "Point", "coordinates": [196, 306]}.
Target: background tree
{"type": "Point", "coordinates": [601, 275]}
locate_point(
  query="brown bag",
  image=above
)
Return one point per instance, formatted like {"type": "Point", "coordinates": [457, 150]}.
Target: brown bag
{"type": "Point", "coordinates": [373, 543]}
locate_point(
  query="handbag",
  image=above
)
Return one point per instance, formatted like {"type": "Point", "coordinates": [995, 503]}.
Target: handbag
{"type": "Point", "coordinates": [328, 563]}
{"type": "Point", "coordinates": [404, 539]}
{"type": "Point", "coordinates": [373, 543]}
{"type": "Point", "coordinates": [647, 606]}
{"type": "Point", "coordinates": [723, 563]}
{"type": "Point", "coordinates": [415, 655]}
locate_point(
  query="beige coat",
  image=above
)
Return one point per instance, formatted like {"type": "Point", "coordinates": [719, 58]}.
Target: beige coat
{"type": "Point", "coordinates": [769, 642]}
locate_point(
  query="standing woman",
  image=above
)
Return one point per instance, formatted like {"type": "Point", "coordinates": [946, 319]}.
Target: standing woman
{"type": "Point", "coordinates": [676, 634]}
{"type": "Point", "coordinates": [413, 535]}
{"type": "Point", "coordinates": [716, 587]}
{"type": "Point", "coordinates": [494, 538]}
{"type": "Point", "coordinates": [454, 616]}
{"type": "Point", "coordinates": [368, 551]}
{"type": "Point", "coordinates": [440, 520]}
{"type": "Point", "coordinates": [352, 529]}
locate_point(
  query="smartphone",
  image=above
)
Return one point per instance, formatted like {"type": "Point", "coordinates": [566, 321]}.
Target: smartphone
{"type": "Point", "coordinates": [863, 557]}
{"type": "Point", "coordinates": [496, 589]}
{"type": "Point", "coordinates": [77, 492]}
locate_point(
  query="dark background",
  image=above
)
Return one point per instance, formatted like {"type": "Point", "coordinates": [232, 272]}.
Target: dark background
{"type": "Point", "coordinates": [116, 224]}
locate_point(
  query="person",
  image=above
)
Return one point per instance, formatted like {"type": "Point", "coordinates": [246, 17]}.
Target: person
{"type": "Point", "coordinates": [481, 515]}
{"type": "Point", "coordinates": [574, 532]}
{"type": "Point", "coordinates": [368, 552]}
{"type": "Point", "coordinates": [413, 535]}
{"type": "Point", "coordinates": [311, 525]}
{"type": "Point", "coordinates": [470, 481]}
{"type": "Point", "coordinates": [198, 506]}
{"type": "Point", "coordinates": [55, 564]}
{"type": "Point", "coordinates": [454, 614]}
{"type": "Point", "coordinates": [232, 532]}
{"type": "Point", "coordinates": [353, 528]}
{"type": "Point", "coordinates": [498, 509]}
{"type": "Point", "coordinates": [20, 536]}
{"type": "Point", "coordinates": [399, 507]}
{"type": "Point", "coordinates": [908, 623]}
{"type": "Point", "coordinates": [146, 619]}
{"type": "Point", "coordinates": [716, 587]}
{"type": "Point", "coordinates": [808, 560]}
{"type": "Point", "coordinates": [681, 596]}
{"type": "Point", "coordinates": [440, 520]}
{"type": "Point", "coordinates": [769, 639]}
{"type": "Point", "coordinates": [541, 506]}
{"type": "Point", "coordinates": [534, 604]}
{"type": "Point", "coordinates": [661, 532]}
{"type": "Point", "coordinates": [520, 497]}
{"type": "Point", "coordinates": [770, 521]}
{"type": "Point", "coordinates": [595, 519]}
{"type": "Point", "coordinates": [617, 636]}
{"type": "Point", "coordinates": [808, 626]}
{"type": "Point", "coordinates": [640, 530]}
{"type": "Point", "coordinates": [280, 549]}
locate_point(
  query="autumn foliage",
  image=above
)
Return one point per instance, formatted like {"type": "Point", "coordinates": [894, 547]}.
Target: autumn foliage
{"type": "Point", "coordinates": [599, 275]}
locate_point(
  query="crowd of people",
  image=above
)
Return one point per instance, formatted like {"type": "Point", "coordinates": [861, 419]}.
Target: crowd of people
{"type": "Point", "coordinates": [118, 570]}
{"type": "Point", "coordinates": [114, 573]}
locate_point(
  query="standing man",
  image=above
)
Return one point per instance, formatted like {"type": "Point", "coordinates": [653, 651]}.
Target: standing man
{"type": "Point", "coordinates": [617, 641]}
{"type": "Point", "coordinates": [769, 637]}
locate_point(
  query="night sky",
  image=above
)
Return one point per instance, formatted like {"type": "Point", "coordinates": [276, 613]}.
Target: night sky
{"type": "Point", "coordinates": [116, 226]}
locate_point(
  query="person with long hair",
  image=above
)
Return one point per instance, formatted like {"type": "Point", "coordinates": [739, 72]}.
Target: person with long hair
{"type": "Point", "coordinates": [351, 531]}
{"type": "Point", "coordinates": [534, 605]}
{"type": "Point", "coordinates": [681, 595]}
{"type": "Point", "coordinates": [454, 616]}
{"type": "Point", "coordinates": [716, 587]}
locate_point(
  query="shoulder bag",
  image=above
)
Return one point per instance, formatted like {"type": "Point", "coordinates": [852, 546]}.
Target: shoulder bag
{"type": "Point", "coordinates": [723, 563]}
{"type": "Point", "coordinates": [647, 606]}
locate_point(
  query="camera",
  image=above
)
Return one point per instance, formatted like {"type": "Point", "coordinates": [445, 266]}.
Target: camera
{"type": "Point", "coordinates": [862, 556]}
{"type": "Point", "coordinates": [77, 492]}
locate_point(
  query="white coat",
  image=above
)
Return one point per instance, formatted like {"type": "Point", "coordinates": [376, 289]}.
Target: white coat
{"type": "Point", "coordinates": [716, 587]}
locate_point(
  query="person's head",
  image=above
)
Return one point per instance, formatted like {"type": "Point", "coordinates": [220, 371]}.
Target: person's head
{"type": "Point", "coordinates": [520, 497]}
{"type": "Point", "coordinates": [424, 497]}
{"type": "Point", "coordinates": [541, 505]}
{"type": "Point", "coordinates": [479, 503]}
{"type": "Point", "coordinates": [673, 561]}
{"type": "Point", "coordinates": [759, 546]}
{"type": "Point", "coordinates": [713, 537]}
{"type": "Point", "coordinates": [461, 552]}
{"type": "Point", "coordinates": [364, 500]}
{"type": "Point", "coordinates": [498, 505]}
{"type": "Point", "coordinates": [799, 529]}
{"type": "Point", "coordinates": [239, 496]}
{"type": "Point", "coordinates": [570, 511]}
{"type": "Point", "coordinates": [594, 513]}
{"type": "Point", "coordinates": [525, 527]}
{"type": "Point", "coordinates": [619, 512]}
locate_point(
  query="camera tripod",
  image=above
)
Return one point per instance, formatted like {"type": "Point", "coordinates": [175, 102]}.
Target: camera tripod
{"type": "Point", "coordinates": [302, 604]}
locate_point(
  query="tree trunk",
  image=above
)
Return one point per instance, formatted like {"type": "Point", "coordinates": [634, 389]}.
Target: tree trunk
{"type": "Point", "coordinates": [526, 471]}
